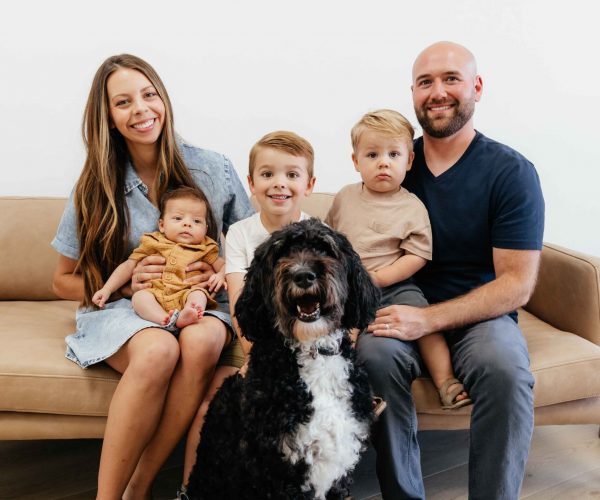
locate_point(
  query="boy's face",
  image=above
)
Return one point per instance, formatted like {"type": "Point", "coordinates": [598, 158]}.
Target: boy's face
{"type": "Point", "coordinates": [280, 182]}
{"type": "Point", "coordinates": [382, 161]}
{"type": "Point", "coordinates": [184, 221]}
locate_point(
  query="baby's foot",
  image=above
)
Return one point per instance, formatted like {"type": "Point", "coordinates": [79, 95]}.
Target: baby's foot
{"type": "Point", "coordinates": [199, 308]}
{"type": "Point", "coordinates": [167, 319]}
{"type": "Point", "coordinates": [188, 316]}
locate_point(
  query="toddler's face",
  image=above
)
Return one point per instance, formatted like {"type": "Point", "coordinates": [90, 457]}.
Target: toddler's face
{"type": "Point", "coordinates": [382, 161]}
{"type": "Point", "coordinates": [184, 221]}
{"type": "Point", "coordinates": [280, 182]}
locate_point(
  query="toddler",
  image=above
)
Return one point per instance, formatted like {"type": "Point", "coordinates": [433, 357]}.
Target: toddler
{"type": "Point", "coordinates": [389, 228]}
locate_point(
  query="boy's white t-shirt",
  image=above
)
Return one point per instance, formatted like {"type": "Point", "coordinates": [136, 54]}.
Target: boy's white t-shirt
{"type": "Point", "coordinates": [242, 240]}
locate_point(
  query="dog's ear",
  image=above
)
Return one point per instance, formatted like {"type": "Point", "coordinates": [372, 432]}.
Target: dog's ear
{"type": "Point", "coordinates": [254, 309]}
{"type": "Point", "coordinates": [364, 296]}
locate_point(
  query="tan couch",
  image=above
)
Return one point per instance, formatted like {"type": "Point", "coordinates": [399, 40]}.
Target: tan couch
{"type": "Point", "coordinates": [45, 396]}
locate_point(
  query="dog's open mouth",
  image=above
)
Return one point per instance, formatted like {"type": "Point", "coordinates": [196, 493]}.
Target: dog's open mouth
{"type": "Point", "coordinates": [308, 308]}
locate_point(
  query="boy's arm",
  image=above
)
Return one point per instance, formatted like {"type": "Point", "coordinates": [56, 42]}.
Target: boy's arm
{"type": "Point", "coordinates": [235, 283]}
{"type": "Point", "coordinates": [119, 277]}
{"type": "Point", "coordinates": [401, 269]}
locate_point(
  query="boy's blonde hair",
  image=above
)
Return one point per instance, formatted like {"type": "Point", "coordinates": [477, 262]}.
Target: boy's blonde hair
{"type": "Point", "coordinates": [285, 141]}
{"type": "Point", "coordinates": [387, 122]}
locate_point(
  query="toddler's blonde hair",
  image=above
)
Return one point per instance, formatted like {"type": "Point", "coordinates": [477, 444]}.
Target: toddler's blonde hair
{"type": "Point", "coordinates": [387, 122]}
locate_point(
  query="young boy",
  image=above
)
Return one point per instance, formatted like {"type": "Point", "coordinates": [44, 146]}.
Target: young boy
{"type": "Point", "coordinates": [185, 218]}
{"type": "Point", "coordinates": [389, 228]}
{"type": "Point", "coordinates": [280, 176]}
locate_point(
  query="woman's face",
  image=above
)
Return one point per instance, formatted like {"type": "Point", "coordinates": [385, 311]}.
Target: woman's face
{"type": "Point", "coordinates": [136, 110]}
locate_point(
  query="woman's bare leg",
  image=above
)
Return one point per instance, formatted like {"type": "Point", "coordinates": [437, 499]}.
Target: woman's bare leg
{"type": "Point", "coordinates": [147, 362]}
{"type": "Point", "coordinates": [200, 345]}
{"type": "Point", "coordinates": [193, 437]}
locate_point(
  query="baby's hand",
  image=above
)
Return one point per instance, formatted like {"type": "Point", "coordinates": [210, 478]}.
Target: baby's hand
{"type": "Point", "coordinates": [216, 282]}
{"type": "Point", "coordinates": [100, 297]}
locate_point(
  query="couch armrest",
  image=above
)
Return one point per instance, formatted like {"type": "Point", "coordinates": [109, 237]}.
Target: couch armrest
{"type": "Point", "coordinates": [567, 294]}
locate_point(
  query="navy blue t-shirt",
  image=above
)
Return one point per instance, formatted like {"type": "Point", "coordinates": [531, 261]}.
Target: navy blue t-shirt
{"type": "Point", "coordinates": [491, 197]}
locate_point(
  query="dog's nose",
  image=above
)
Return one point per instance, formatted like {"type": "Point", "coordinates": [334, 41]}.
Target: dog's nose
{"type": "Point", "coordinates": [304, 279]}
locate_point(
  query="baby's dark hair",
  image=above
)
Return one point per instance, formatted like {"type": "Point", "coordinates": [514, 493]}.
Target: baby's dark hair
{"type": "Point", "coordinates": [196, 194]}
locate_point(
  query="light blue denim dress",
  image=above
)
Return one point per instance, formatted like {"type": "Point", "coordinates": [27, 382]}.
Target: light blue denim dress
{"type": "Point", "coordinates": [101, 333]}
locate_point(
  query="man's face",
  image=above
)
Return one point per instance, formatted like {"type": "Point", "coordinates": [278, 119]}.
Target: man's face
{"type": "Point", "coordinates": [445, 89]}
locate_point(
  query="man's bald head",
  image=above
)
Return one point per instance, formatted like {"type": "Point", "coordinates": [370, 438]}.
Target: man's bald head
{"type": "Point", "coordinates": [449, 53]}
{"type": "Point", "coordinates": [445, 88]}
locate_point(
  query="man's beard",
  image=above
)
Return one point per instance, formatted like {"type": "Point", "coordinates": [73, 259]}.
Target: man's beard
{"type": "Point", "coordinates": [462, 114]}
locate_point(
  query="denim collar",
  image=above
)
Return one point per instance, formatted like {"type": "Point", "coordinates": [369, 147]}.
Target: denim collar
{"type": "Point", "coordinates": [132, 180]}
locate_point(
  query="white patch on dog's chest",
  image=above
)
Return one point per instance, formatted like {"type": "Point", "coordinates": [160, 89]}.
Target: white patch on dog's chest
{"type": "Point", "coordinates": [332, 441]}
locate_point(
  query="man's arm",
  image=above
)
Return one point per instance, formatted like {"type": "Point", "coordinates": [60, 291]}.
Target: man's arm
{"type": "Point", "coordinates": [516, 274]}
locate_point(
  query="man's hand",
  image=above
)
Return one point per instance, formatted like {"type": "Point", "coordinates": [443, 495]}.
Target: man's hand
{"type": "Point", "coordinates": [148, 269]}
{"type": "Point", "coordinates": [400, 322]}
{"type": "Point", "coordinates": [206, 271]}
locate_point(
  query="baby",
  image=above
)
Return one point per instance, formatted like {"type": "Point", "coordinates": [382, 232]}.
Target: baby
{"type": "Point", "coordinates": [185, 216]}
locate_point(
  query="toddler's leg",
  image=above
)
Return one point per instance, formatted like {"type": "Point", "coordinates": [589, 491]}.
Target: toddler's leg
{"type": "Point", "coordinates": [146, 306]}
{"type": "Point", "coordinates": [436, 356]}
{"type": "Point", "coordinates": [193, 309]}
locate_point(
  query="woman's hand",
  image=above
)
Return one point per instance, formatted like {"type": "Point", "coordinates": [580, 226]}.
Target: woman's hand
{"type": "Point", "coordinates": [148, 269]}
{"type": "Point", "coordinates": [206, 271]}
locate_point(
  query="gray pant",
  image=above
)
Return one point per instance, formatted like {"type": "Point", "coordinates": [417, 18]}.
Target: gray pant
{"type": "Point", "coordinates": [492, 361]}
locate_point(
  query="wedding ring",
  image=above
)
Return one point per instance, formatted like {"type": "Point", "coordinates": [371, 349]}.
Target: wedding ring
{"type": "Point", "coordinates": [387, 326]}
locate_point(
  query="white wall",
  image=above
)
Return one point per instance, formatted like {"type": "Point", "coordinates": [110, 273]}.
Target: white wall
{"type": "Point", "coordinates": [236, 70]}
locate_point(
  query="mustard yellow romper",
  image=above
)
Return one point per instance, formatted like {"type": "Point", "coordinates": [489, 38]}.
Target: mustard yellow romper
{"type": "Point", "coordinates": [171, 291]}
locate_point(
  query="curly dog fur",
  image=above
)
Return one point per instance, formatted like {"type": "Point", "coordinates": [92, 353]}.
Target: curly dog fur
{"type": "Point", "coordinates": [294, 426]}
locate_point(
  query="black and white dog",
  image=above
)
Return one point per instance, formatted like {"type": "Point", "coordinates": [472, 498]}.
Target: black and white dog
{"type": "Point", "coordinates": [294, 426]}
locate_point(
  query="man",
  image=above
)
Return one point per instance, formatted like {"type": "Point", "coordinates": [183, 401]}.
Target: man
{"type": "Point", "coordinates": [487, 215]}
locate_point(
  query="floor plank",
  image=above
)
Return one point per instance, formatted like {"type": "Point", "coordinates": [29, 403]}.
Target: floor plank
{"type": "Point", "coordinates": [559, 456]}
{"type": "Point", "coordinates": [564, 463]}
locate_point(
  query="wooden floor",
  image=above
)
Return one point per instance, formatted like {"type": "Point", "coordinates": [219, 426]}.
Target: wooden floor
{"type": "Point", "coordinates": [564, 464]}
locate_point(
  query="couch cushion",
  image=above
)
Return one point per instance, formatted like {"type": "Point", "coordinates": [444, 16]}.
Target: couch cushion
{"type": "Point", "coordinates": [565, 367]}
{"type": "Point", "coordinates": [28, 258]}
{"type": "Point", "coordinates": [35, 376]}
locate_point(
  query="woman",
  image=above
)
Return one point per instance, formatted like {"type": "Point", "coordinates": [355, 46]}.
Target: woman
{"type": "Point", "coordinates": [133, 158]}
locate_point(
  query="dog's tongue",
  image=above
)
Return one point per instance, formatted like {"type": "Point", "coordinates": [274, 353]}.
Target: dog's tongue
{"type": "Point", "coordinates": [308, 306]}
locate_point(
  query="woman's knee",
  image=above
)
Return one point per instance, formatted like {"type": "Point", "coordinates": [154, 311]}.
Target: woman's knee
{"type": "Point", "coordinates": [154, 359]}
{"type": "Point", "coordinates": [202, 342]}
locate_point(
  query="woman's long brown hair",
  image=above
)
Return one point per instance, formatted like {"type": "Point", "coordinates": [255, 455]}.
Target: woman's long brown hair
{"type": "Point", "coordinates": [102, 215]}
